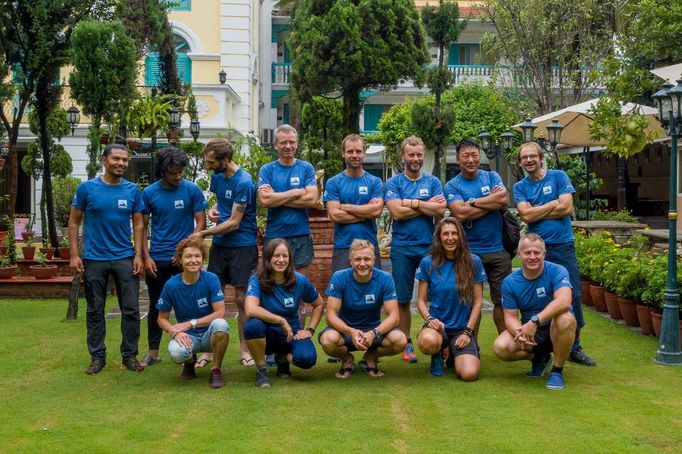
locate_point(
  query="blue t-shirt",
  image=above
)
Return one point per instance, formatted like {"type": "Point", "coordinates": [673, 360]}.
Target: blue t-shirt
{"type": "Point", "coordinates": [361, 302]}
{"type": "Point", "coordinates": [238, 189]}
{"type": "Point", "coordinates": [540, 192]}
{"type": "Point", "coordinates": [108, 209]}
{"type": "Point", "coordinates": [354, 191]}
{"type": "Point", "coordinates": [172, 215]}
{"type": "Point", "coordinates": [418, 230]}
{"type": "Point", "coordinates": [445, 303]}
{"type": "Point", "coordinates": [191, 301]}
{"type": "Point", "coordinates": [283, 302]}
{"type": "Point", "coordinates": [485, 233]}
{"type": "Point", "coordinates": [285, 222]}
{"type": "Point", "coordinates": [532, 296]}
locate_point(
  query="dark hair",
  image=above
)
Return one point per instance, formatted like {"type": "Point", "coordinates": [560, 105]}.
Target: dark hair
{"type": "Point", "coordinates": [114, 146]}
{"type": "Point", "coordinates": [169, 159]}
{"type": "Point", "coordinates": [184, 244]}
{"type": "Point", "coordinates": [462, 262]}
{"type": "Point", "coordinates": [468, 142]}
{"type": "Point", "coordinates": [265, 272]}
{"type": "Point", "coordinates": [221, 149]}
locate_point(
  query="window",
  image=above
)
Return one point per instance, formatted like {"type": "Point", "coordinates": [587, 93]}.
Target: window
{"type": "Point", "coordinates": [372, 116]}
{"type": "Point", "coordinates": [464, 54]}
{"type": "Point", "coordinates": [183, 63]}
{"type": "Point", "coordinates": [179, 5]}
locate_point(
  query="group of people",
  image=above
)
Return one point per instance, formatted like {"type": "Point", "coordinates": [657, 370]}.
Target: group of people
{"type": "Point", "coordinates": [450, 257]}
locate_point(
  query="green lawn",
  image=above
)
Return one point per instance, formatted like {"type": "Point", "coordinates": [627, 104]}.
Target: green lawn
{"type": "Point", "coordinates": [625, 404]}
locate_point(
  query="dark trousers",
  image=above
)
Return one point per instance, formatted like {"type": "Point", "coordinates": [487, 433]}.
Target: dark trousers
{"type": "Point", "coordinates": [96, 276]}
{"type": "Point", "coordinates": [164, 271]}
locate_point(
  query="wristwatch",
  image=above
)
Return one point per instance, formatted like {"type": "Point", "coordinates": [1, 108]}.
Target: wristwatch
{"type": "Point", "coordinates": [535, 319]}
{"type": "Point", "coordinates": [472, 202]}
{"type": "Point", "coordinates": [193, 322]}
{"type": "Point", "coordinates": [377, 334]}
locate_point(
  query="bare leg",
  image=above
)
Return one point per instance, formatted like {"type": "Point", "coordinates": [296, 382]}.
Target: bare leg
{"type": "Point", "coordinates": [219, 343]}
{"type": "Point", "coordinates": [429, 341]}
{"type": "Point", "coordinates": [562, 333]}
{"type": "Point", "coordinates": [257, 349]}
{"type": "Point", "coordinates": [245, 356]}
{"type": "Point", "coordinates": [405, 319]}
{"type": "Point", "coordinates": [467, 367]}
{"type": "Point", "coordinates": [498, 318]}
{"type": "Point", "coordinates": [507, 349]}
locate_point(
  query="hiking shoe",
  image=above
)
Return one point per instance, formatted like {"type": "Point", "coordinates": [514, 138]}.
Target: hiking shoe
{"type": "Point", "coordinates": [555, 381]}
{"type": "Point", "coordinates": [215, 378]}
{"type": "Point", "coordinates": [95, 367]}
{"type": "Point", "coordinates": [188, 371]}
{"type": "Point", "coordinates": [283, 368]}
{"type": "Point", "coordinates": [132, 364]}
{"type": "Point", "coordinates": [408, 354]}
{"type": "Point", "coordinates": [579, 356]}
{"type": "Point", "coordinates": [539, 367]}
{"type": "Point", "coordinates": [436, 368]}
{"type": "Point", "coordinates": [262, 378]}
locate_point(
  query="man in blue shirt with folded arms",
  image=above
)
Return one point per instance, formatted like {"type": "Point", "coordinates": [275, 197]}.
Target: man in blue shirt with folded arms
{"type": "Point", "coordinates": [177, 208]}
{"type": "Point", "coordinates": [354, 198]}
{"type": "Point", "coordinates": [414, 199]}
{"type": "Point", "coordinates": [108, 204]}
{"type": "Point", "coordinates": [541, 291]}
{"type": "Point", "coordinates": [356, 297]}
{"type": "Point", "coordinates": [545, 202]}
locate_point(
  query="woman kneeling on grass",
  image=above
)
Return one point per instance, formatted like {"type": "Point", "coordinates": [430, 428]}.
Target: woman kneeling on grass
{"type": "Point", "coordinates": [272, 301]}
{"type": "Point", "coordinates": [453, 278]}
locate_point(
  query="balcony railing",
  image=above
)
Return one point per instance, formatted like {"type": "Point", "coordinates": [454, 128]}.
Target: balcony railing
{"type": "Point", "coordinates": [281, 73]}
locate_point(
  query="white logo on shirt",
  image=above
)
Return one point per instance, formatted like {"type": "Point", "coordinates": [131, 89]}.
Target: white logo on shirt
{"type": "Point", "coordinates": [220, 293]}
{"type": "Point", "coordinates": [228, 193]}
{"type": "Point", "coordinates": [362, 190]}
{"type": "Point", "coordinates": [566, 280]}
{"type": "Point", "coordinates": [161, 301]}
{"type": "Point", "coordinates": [288, 302]}
{"type": "Point", "coordinates": [451, 196]}
{"type": "Point", "coordinates": [369, 299]}
{"type": "Point", "coordinates": [295, 181]}
{"type": "Point", "coordinates": [423, 192]}
{"type": "Point", "coordinates": [485, 190]}
{"type": "Point", "coordinates": [202, 302]}
{"type": "Point", "coordinates": [179, 204]}
{"type": "Point", "coordinates": [546, 189]}
{"type": "Point", "coordinates": [123, 204]}
{"type": "Point", "coordinates": [541, 292]}
{"type": "Point", "coordinates": [389, 193]}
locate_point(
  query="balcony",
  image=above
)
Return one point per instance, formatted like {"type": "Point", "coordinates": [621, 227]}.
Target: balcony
{"type": "Point", "coordinates": [281, 73]}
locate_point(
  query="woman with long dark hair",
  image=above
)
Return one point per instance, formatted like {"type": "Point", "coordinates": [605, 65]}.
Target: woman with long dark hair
{"type": "Point", "coordinates": [272, 301]}
{"type": "Point", "coordinates": [453, 278]}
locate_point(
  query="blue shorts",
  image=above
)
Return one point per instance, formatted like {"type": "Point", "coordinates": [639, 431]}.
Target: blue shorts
{"type": "Point", "coordinates": [303, 353]}
{"type": "Point", "coordinates": [200, 342]}
{"type": "Point", "coordinates": [405, 261]}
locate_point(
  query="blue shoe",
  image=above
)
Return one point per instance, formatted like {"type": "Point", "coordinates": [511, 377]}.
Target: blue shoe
{"type": "Point", "coordinates": [539, 368]}
{"type": "Point", "coordinates": [555, 381]}
{"type": "Point", "coordinates": [437, 369]}
{"type": "Point", "coordinates": [408, 354]}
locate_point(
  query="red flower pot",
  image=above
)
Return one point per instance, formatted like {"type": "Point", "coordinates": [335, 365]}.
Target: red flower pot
{"type": "Point", "coordinates": [656, 321]}
{"type": "Point", "coordinates": [44, 272]}
{"type": "Point", "coordinates": [29, 252]}
{"type": "Point", "coordinates": [48, 252]}
{"type": "Point", "coordinates": [628, 308]}
{"type": "Point", "coordinates": [612, 305]}
{"type": "Point", "coordinates": [597, 293]}
{"type": "Point", "coordinates": [8, 272]}
{"type": "Point", "coordinates": [644, 317]}
{"type": "Point", "coordinates": [65, 253]}
{"type": "Point", "coordinates": [585, 290]}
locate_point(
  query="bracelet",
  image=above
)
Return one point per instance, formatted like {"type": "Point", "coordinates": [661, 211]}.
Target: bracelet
{"type": "Point", "coordinates": [310, 330]}
{"type": "Point", "coordinates": [469, 332]}
{"type": "Point", "coordinates": [428, 320]}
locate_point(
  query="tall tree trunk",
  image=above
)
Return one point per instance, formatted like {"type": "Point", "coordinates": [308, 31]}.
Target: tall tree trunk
{"type": "Point", "coordinates": [621, 169]}
{"type": "Point", "coordinates": [351, 110]}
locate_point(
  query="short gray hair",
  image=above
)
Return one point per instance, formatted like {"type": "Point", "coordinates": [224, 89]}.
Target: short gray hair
{"type": "Point", "coordinates": [284, 129]}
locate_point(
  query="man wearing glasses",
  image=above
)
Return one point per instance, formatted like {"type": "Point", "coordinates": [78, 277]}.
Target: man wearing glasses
{"type": "Point", "coordinates": [545, 202]}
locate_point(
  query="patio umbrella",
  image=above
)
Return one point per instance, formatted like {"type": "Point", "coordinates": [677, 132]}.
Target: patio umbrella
{"type": "Point", "coordinates": [669, 73]}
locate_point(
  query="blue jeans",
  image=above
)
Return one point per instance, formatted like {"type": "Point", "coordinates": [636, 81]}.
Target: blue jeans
{"type": "Point", "coordinates": [405, 261]}
{"type": "Point", "coordinates": [564, 255]}
{"type": "Point", "coordinates": [200, 343]}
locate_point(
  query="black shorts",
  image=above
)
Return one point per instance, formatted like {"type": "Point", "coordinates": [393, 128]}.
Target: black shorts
{"type": "Point", "coordinates": [449, 339]}
{"type": "Point", "coordinates": [233, 265]}
{"type": "Point", "coordinates": [543, 341]}
{"type": "Point", "coordinates": [348, 340]}
{"type": "Point", "coordinates": [497, 266]}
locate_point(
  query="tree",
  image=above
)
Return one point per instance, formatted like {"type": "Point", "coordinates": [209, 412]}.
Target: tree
{"type": "Point", "coordinates": [443, 26]}
{"type": "Point", "coordinates": [345, 46]}
{"type": "Point", "coordinates": [322, 133]}
{"type": "Point", "coordinates": [103, 79]}
{"type": "Point", "coordinates": [550, 47]}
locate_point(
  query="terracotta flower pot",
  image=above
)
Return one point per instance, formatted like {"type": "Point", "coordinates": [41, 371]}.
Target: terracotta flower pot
{"type": "Point", "coordinates": [597, 293]}
{"type": "Point", "coordinates": [612, 305]}
{"type": "Point", "coordinates": [628, 308]}
{"type": "Point", "coordinates": [644, 317]}
{"type": "Point", "coordinates": [656, 321]}
{"type": "Point", "coordinates": [3, 250]}
{"type": "Point", "coordinates": [26, 235]}
{"type": "Point", "coordinates": [585, 290]}
{"type": "Point", "coordinates": [7, 272]}
{"type": "Point", "coordinates": [44, 272]}
{"type": "Point", "coordinates": [64, 253]}
{"type": "Point", "coordinates": [48, 252]}
{"type": "Point", "coordinates": [29, 252]}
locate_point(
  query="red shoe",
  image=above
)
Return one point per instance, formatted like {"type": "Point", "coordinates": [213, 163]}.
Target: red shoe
{"type": "Point", "coordinates": [408, 354]}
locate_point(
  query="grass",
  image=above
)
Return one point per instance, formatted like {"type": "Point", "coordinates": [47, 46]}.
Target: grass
{"type": "Point", "coordinates": [625, 404]}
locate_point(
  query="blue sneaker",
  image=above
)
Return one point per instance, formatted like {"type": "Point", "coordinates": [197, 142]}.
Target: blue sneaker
{"type": "Point", "coordinates": [408, 354]}
{"type": "Point", "coordinates": [555, 381]}
{"type": "Point", "coordinates": [539, 368]}
{"type": "Point", "coordinates": [437, 369]}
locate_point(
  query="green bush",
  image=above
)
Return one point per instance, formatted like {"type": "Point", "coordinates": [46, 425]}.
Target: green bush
{"type": "Point", "coordinates": [63, 190]}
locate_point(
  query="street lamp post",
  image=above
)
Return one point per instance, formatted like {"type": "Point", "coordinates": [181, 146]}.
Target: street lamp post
{"type": "Point", "coordinates": [194, 128]}
{"type": "Point", "coordinates": [668, 100]}
{"type": "Point", "coordinates": [73, 117]}
{"type": "Point", "coordinates": [493, 150]}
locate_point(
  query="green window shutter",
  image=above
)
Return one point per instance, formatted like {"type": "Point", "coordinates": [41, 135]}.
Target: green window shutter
{"type": "Point", "coordinates": [285, 114]}
{"type": "Point", "coordinates": [373, 114]}
{"type": "Point", "coordinates": [184, 65]}
{"type": "Point", "coordinates": [152, 69]}
{"type": "Point", "coordinates": [180, 5]}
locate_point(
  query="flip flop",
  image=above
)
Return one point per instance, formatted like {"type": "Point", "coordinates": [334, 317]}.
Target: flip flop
{"type": "Point", "coordinates": [247, 362]}
{"type": "Point", "coordinates": [373, 372]}
{"type": "Point", "coordinates": [201, 362]}
{"type": "Point", "coordinates": [149, 360]}
{"type": "Point", "coordinates": [345, 372]}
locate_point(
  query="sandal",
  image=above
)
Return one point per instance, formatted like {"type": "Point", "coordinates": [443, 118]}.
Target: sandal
{"type": "Point", "coordinates": [247, 362]}
{"type": "Point", "coordinates": [345, 372]}
{"type": "Point", "coordinates": [201, 362]}
{"type": "Point", "coordinates": [373, 372]}
{"type": "Point", "coordinates": [149, 360]}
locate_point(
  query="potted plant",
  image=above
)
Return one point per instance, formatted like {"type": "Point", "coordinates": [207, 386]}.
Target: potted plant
{"type": "Point", "coordinates": [64, 248]}
{"type": "Point", "coordinates": [28, 249]}
{"type": "Point", "coordinates": [7, 270]}
{"type": "Point", "coordinates": [28, 230]}
{"type": "Point", "coordinates": [47, 250]}
{"type": "Point", "coordinates": [43, 270]}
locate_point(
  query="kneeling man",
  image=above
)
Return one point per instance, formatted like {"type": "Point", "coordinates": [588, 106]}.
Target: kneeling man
{"type": "Point", "coordinates": [541, 291]}
{"type": "Point", "coordinates": [197, 298]}
{"type": "Point", "coordinates": [356, 297]}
